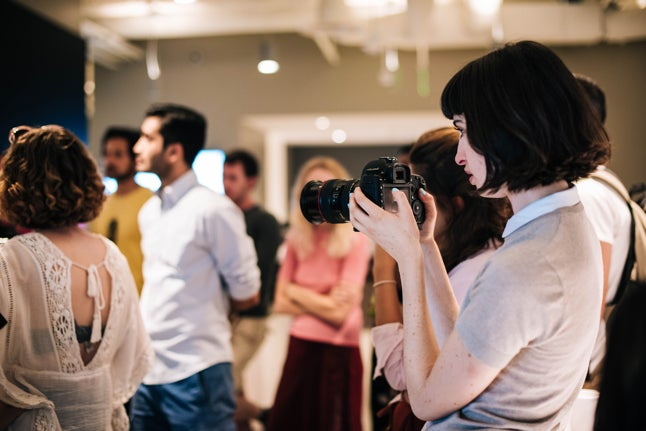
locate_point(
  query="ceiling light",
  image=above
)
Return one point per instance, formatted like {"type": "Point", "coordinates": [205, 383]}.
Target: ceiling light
{"type": "Point", "coordinates": [322, 123]}
{"type": "Point", "coordinates": [267, 67]}
{"type": "Point", "coordinates": [152, 61]}
{"type": "Point", "coordinates": [339, 136]}
{"type": "Point", "coordinates": [391, 60]}
{"type": "Point", "coordinates": [267, 64]}
{"type": "Point", "coordinates": [485, 7]}
{"type": "Point", "coordinates": [387, 4]}
{"type": "Point", "coordinates": [123, 9]}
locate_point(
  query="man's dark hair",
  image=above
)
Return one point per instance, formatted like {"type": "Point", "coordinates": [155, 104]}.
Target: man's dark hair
{"type": "Point", "coordinates": [595, 94]}
{"type": "Point", "coordinates": [183, 125]}
{"type": "Point", "coordinates": [248, 161]}
{"type": "Point", "coordinates": [130, 134]}
{"type": "Point", "coordinates": [524, 113]}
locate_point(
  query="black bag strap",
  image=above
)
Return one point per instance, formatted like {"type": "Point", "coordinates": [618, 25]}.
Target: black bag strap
{"type": "Point", "coordinates": [611, 180]}
{"type": "Point", "coordinates": [630, 261]}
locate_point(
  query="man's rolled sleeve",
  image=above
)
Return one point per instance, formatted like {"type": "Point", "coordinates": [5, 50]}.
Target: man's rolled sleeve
{"type": "Point", "coordinates": [234, 253]}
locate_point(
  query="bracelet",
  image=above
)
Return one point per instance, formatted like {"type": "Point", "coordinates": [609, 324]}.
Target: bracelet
{"type": "Point", "coordinates": [382, 282]}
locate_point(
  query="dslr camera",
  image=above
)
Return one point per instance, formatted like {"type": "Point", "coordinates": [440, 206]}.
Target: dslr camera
{"type": "Point", "coordinates": [327, 201]}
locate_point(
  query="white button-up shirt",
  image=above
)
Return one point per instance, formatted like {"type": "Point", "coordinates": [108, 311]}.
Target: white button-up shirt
{"type": "Point", "coordinates": [197, 254]}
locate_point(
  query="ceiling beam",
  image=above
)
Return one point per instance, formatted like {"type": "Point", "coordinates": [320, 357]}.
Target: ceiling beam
{"type": "Point", "coordinates": [327, 47]}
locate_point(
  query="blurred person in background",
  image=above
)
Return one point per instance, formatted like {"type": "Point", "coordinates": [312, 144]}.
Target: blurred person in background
{"type": "Point", "coordinates": [74, 347]}
{"type": "Point", "coordinates": [249, 327]}
{"type": "Point", "coordinates": [609, 215]}
{"type": "Point", "coordinates": [118, 219]}
{"type": "Point", "coordinates": [321, 282]}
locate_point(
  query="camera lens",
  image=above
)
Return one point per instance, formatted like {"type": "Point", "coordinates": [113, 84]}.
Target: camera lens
{"type": "Point", "coordinates": [327, 201]}
{"type": "Point", "coordinates": [310, 202]}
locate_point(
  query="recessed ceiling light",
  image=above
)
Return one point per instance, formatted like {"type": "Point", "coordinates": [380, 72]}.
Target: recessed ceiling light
{"type": "Point", "coordinates": [339, 136]}
{"type": "Point", "coordinates": [322, 123]}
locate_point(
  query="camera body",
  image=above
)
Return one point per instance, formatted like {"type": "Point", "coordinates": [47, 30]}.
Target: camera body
{"type": "Point", "coordinates": [328, 201]}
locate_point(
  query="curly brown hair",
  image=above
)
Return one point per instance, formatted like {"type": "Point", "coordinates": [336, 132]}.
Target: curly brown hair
{"type": "Point", "coordinates": [49, 180]}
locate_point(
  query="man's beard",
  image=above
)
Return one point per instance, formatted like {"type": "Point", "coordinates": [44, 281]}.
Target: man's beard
{"type": "Point", "coordinates": [120, 176]}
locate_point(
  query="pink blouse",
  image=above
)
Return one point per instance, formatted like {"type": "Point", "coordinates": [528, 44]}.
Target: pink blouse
{"type": "Point", "coordinates": [321, 273]}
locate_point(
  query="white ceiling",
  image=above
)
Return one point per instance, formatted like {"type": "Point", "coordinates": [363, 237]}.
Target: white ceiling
{"type": "Point", "coordinates": [111, 25]}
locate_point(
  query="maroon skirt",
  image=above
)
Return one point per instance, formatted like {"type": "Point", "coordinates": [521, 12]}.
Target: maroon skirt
{"type": "Point", "coordinates": [320, 389]}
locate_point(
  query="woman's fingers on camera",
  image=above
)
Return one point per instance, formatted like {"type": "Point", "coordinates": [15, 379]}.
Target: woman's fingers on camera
{"type": "Point", "coordinates": [363, 201]}
{"type": "Point", "coordinates": [429, 203]}
{"type": "Point", "coordinates": [363, 212]}
{"type": "Point", "coordinates": [430, 216]}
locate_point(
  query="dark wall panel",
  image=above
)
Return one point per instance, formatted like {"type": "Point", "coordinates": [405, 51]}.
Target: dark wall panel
{"type": "Point", "coordinates": [43, 73]}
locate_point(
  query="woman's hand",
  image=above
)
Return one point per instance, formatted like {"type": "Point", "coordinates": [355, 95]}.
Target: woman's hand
{"type": "Point", "coordinates": [427, 233]}
{"type": "Point", "coordinates": [394, 232]}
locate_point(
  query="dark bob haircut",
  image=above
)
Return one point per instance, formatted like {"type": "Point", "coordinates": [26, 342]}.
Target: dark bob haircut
{"type": "Point", "coordinates": [527, 115]}
{"type": "Point", "coordinates": [49, 180]}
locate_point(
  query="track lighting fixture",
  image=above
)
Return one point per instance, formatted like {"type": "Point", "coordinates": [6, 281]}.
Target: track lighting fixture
{"type": "Point", "coordinates": [267, 64]}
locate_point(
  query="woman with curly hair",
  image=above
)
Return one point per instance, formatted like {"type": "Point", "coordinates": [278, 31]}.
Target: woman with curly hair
{"type": "Point", "coordinates": [74, 349]}
{"type": "Point", "coordinates": [320, 283]}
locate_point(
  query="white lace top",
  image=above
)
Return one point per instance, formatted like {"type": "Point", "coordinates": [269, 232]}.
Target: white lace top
{"type": "Point", "coordinates": [41, 366]}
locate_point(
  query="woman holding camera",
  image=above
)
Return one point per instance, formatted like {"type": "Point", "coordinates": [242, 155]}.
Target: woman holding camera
{"type": "Point", "coordinates": [468, 231]}
{"type": "Point", "coordinates": [514, 354]}
{"type": "Point", "coordinates": [321, 283]}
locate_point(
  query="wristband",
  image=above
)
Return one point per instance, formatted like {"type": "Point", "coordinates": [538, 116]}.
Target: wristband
{"type": "Point", "coordinates": [382, 282]}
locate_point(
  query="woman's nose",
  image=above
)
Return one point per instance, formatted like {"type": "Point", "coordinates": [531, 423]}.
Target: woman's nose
{"type": "Point", "coordinates": [459, 157]}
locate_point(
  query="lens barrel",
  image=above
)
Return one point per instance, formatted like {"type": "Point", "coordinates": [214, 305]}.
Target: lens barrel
{"type": "Point", "coordinates": [310, 202]}
{"type": "Point", "coordinates": [327, 201]}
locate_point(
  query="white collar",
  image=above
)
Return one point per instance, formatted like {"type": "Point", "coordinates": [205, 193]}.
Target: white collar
{"type": "Point", "coordinates": [544, 205]}
{"type": "Point", "coordinates": [172, 193]}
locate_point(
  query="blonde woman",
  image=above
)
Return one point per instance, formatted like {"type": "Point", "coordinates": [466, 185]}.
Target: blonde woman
{"type": "Point", "coordinates": [321, 284]}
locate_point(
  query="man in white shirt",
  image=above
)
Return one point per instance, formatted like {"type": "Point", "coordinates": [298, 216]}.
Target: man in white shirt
{"type": "Point", "coordinates": [199, 263]}
{"type": "Point", "coordinates": [610, 218]}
